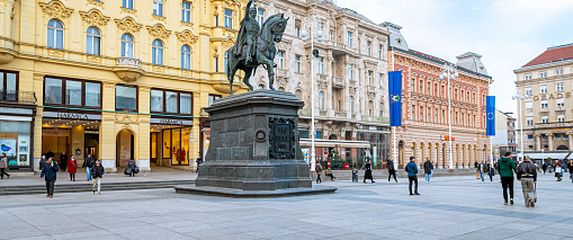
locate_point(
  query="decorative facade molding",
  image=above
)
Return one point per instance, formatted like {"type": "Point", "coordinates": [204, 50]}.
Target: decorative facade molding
{"type": "Point", "coordinates": [56, 9]}
{"type": "Point", "coordinates": [186, 37]}
{"type": "Point", "coordinates": [95, 2]}
{"type": "Point", "coordinates": [94, 17]}
{"type": "Point", "coordinates": [158, 31]}
{"type": "Point", "coordinates": [128, 24]}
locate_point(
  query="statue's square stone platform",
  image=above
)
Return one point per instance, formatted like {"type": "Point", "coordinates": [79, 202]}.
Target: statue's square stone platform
{"type": "Point", "coordinates": [254, 149]}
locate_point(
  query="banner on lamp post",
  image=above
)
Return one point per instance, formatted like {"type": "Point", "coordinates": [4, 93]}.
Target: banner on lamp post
{"type": "Point", "coordinates": [395, 96]}
{"type": "Point", "coordinates": [490, 116]}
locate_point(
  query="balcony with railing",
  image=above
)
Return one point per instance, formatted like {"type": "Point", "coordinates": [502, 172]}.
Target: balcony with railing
{"type": "Point", "coordinates": [339, 48]}
{"type": "Point", "coordinates": [18, 97]}
{"type": "Point", "coordinates": [375, 119]}
{"type": "Point", "coordinates": [128, 69]}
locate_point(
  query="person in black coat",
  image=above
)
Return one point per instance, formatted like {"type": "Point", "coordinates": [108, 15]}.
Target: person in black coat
{"type": "Point", "coordinates": [49, 173]}
{"type": "Point", "coordinates": [391, 170]}
{"type": "Point", "coordinates": [63, 161]}
{"type": "Point", "coordinates": [97, 172]}
{"type": "Point", "coordinates": [368, 172]}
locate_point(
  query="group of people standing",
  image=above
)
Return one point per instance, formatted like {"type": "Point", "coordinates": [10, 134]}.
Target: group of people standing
{"type": "Point", "coordinates": [49, 169]}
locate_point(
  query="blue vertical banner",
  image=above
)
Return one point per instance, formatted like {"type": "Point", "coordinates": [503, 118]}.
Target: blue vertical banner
{"type": "Point", "coordinates": [395, 94]}
{"type": "Point", "coordinates": [490, 116]}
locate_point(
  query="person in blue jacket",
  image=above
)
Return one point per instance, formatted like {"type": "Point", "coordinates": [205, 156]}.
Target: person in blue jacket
{"type": "Point", "coordinates": [412, 169]}
{"type": "Point", "coordinates": [49, 173]}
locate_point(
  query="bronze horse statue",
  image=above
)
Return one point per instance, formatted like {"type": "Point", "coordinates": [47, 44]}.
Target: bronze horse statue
{"type": "Point", "coordinates": [265, 50]}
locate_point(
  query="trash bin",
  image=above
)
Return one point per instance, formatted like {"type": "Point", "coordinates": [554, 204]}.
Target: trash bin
{"type": "Point", "coordinates": [354, 175]}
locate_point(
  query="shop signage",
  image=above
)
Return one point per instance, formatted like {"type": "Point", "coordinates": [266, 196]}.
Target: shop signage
{"type": "Point", "coordinates": [71, 115]}
{"type": "Point", "coordinates": [169, 121]}
{"type": "Point", "coordinates": [551, 96]}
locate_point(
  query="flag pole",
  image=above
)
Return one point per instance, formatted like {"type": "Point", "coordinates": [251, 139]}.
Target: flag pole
{"type": "Point", "coordinates": [394, 143]}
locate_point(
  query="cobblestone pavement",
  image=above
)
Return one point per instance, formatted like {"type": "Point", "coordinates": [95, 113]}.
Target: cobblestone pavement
{"type": "Point", "coordinates": [449, 208]}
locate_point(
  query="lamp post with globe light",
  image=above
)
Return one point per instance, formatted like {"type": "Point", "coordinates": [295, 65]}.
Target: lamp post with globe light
{"type": "Point", "coordinates": [449, 72]}
{"type": "Point", "coordinates": [310, 36]}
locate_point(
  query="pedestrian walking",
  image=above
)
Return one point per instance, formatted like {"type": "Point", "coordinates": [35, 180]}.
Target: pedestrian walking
{"type": "Point", "coordinates": [488, 169]}
{"type": "Point", "coordinates": [72, 168]}
{"type": "Point", "coordinates": [3, 166]}
{"type": "Point", "coordinates": [42, 162]}
{"type": "Point", "coordinates": [368, 172]}
{"type": "Point", "coordinates": [506, 167]}
{"type": "Point", "coordinates": [49, 173]}
{"type": "Point", "coordinates": [544, 167]}
{"type": "Point", "coordinates": [89, 162]}
{"type": "Point", "coordinates": [482, 167]}
{"type": "Point", "coordinates": [558, 171]}
{"type": "Point", "coordinates": [97, 174]}
{"type": "Point", "coordinates": [527, 174]}
{"type": "Point", "coordinates": [477, 169]}
{"type": "Point", "coordinates": [198, 161]}
{"type": "Point", "coordinates": [318, 170]}
{"type": "Point", "coordinates": [428, 169]}
{"type": "Point", "coordinates": [391, 170]}
{"type": "Point", "coordinates": [63, 161]}
{"type": "Point", "coordinates": [412, 170]}
{"type": "Point", "coordinates": [570, 168]}
{"type": "Point", "coordinates": [329, 173]}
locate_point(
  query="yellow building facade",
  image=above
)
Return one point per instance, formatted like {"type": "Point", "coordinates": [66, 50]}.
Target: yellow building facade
{"type": "Point", "coordinates": [117, 79]}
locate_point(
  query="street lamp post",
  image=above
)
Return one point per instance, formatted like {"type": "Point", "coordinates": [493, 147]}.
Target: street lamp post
{"type": "Point", "coordinates": [305, 36]}
{"type": "Point", "coordinates": [519, 99]}
{"type": "Point", "coordinates": [449, 72]}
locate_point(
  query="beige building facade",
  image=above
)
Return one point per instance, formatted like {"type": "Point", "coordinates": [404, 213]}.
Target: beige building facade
{"type": "Point", "coordinates": [119, 80]}
{"type": "Point", "coordinates": [546, 85]}
{"type": "Point", "coordinates": [349, 75]}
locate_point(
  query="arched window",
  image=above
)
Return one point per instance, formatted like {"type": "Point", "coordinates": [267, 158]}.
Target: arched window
{"type": "Point", "coordinates": [185, 57]}
{"type": "Point", "coordinates": [157, 52]}
{"type": "Point", "coordinates": [321, 101]}
{"type": "Point", "coordinates": [93, 38]}
{"type": "Point", "coordinates": [127, 45]}
{"type": "Point", "coordinates": [55, 34]}
{"type": "Point", "coordinates": [351, 104]}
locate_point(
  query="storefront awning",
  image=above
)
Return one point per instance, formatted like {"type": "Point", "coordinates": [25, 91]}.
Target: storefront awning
{"type": "Point", "coordinates": [552, 155]}
{"type": "Point", "coordinates": [306, 142]}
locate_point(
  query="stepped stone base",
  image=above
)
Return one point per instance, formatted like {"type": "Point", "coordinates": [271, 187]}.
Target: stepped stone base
{"type": "Point", "coordinates": [238, 193]}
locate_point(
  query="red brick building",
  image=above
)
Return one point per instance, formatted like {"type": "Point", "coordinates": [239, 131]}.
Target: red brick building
{"type": "Point", "coordinates": [425, 106]}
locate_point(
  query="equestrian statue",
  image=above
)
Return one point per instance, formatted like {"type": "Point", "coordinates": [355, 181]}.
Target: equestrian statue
{"type": "Point", "coordinates": [255, 46]}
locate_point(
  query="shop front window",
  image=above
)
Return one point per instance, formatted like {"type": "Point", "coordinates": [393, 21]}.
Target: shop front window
{"type": "Point", "coordinates": [15, 142]}
{"type": "Point", "coordinates": [176, 145]}
{"type": "Point", "coordinates": [53, 91]}
{"type": "Point", "coordinates": [166, 143]}
{"type": "Point", "coordinates": [125, 98]}
{"type": "Point", "coordinates": [76, 93]}
{"type": "Point", "coordinates": [172, 102]}
{"type": "Point", "coordinates": [156, 101]}
{"type": "Point", "coordinates": [93, 94]}
{"type": "Point", "coordinates": [185, 103]}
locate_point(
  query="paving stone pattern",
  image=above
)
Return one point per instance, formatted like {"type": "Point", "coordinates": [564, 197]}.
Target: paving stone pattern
{"type": "Point", "coordinates": [449, 208]}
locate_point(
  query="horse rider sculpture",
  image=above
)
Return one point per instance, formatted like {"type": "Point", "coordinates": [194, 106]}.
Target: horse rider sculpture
{"type": "Point", "coordinates": [248, 34]}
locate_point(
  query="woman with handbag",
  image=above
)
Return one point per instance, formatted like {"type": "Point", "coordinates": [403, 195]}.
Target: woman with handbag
{"type": "Point", "coordinates": [72, 168]}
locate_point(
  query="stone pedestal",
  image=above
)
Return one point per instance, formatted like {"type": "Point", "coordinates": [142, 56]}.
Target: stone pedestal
{"type": "Point", "coordinates": [255, 146]}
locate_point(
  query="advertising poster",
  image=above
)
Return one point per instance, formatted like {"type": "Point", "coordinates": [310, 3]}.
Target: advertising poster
{"type": "Point", "coordinates": [8, 146]}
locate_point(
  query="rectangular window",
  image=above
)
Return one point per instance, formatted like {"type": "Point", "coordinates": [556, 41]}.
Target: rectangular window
{"type": "Point", "coordinates": [185, 103]}
{"type": "Point", "coordinates": [542, 74]}
{"type": "Point", "coordinates": [156, 101]}
{"type": "Point", "coordinates": [228, 18]}
{"type": "Point", "coordinates": [559, 87]}
{"type": "Point", "coordinates": [528, 91]}
{"type": "Point", "coordinates": [321, 65]}
{"type": "Point", "coordinates": [281, 59]}
{"type": "Point", "coordinates": [8, 86]}
{"type": "Point", "coordinates": [369, 48]}
{"type": "Point", "coordinates": [127, 4]}
{"type": "Point", "coordinates": [53, 91]}
{"type": "Point", "coordinates": [543, 88]}
{"type": "Point", "coordinates": [297, 64]}
{"type": "Point", "coordinates": [171, 102]}
{"type": "Point", "coordinates": [350, 72]}
{"type": "Point", "coordinates": [93, 94]}
{"type": "Point", "coordinates": [297, 28]}
{"type": "Point", "coordinates": [349, 39]}
{"type": "Point", "coordinates": [158, 7]}
{"type": "Point", "coordinates": [529, 106]}
{"type": "Point", "coordinates": [560, 103]}
{"type": "Point", "coordinates": [370, 78]}
{"type": "Point", "coordinates": [380, 51]}
{"type": "Point", "coordinates": [166, 144]}
{"type": "Point", "coordinates": [527, 76]}
{"type": "Point", "coordinates": [125, 98]}
{"type": "Point", "coordinates": [544, 119]}
{"type": "Point", "coordinates": [73, 93]}
{"type": "Point", "coordinates": [544, 104]}
{"type": "Point", "coordinates": [559, 71]}
{"type": "Point", "coordinates": [186, 12]}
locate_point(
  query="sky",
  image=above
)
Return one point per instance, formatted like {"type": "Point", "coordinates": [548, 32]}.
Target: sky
{"type": "Point", "coordinates": [507, 33]}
